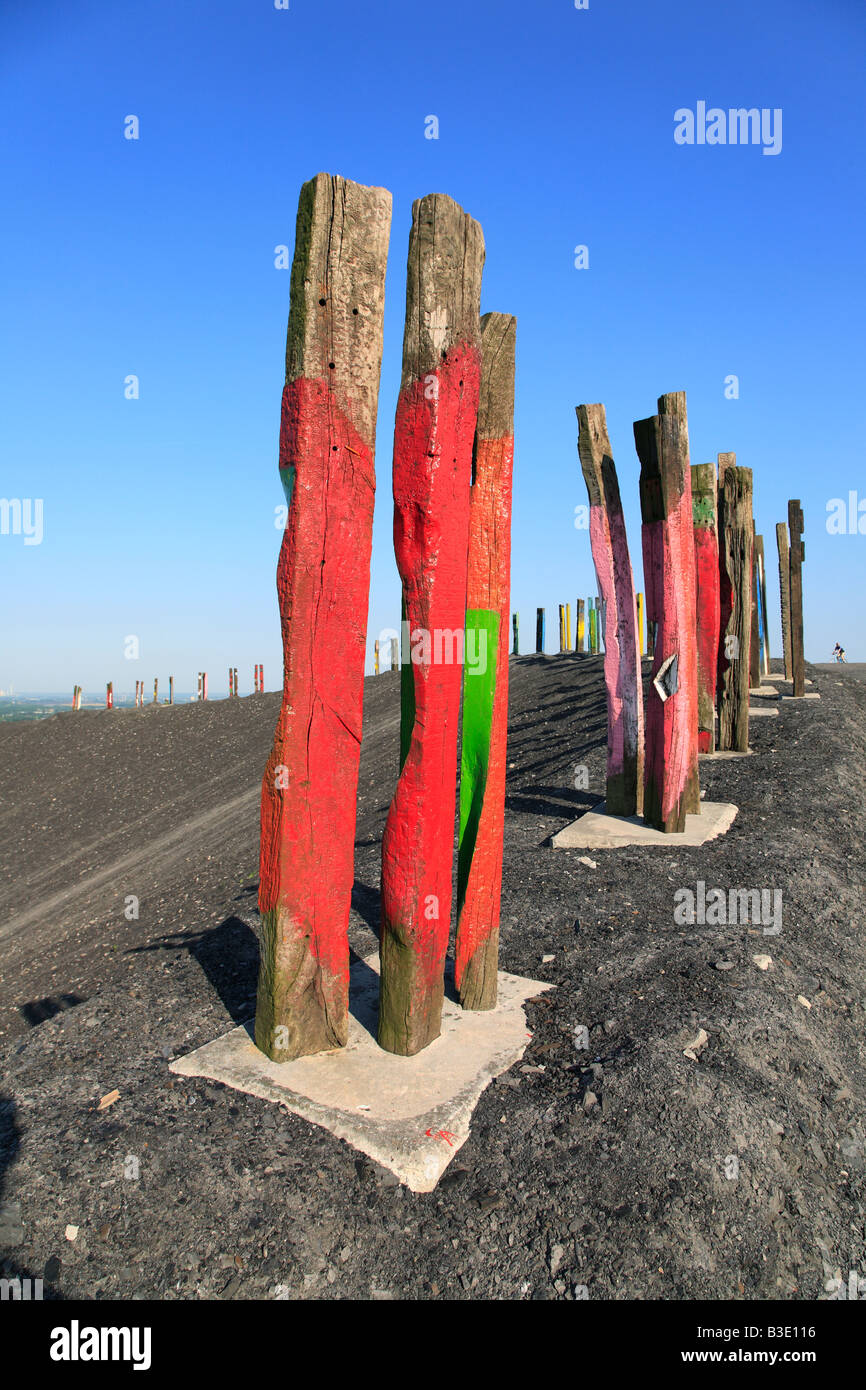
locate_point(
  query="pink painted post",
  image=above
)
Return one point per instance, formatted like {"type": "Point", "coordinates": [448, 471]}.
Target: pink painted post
{"type": "Point", "coordinates": [622, 669]}
{"type": "Point", "coordinates": [672, 788]}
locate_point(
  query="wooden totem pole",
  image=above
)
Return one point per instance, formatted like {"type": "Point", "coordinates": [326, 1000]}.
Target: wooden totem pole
{"type": "Point", "coordinates": [327, 441]}
{"type": "Point", "coordinates": [622, 671]}
{"type": "Point", "coordinates": [485, 690]}
{"type": "Point", "coordinates": [437, 412]}
{"type": "Point", "coordinates": [672, 787]}
{"type": "Point", "coordinates": [735, 602]}
{"type": "Point", "coordinates": [795, 563]}
{"type": "Point", "coordinates": [706, 599]}
{"type": "Point", "coordinates": [785, 595]}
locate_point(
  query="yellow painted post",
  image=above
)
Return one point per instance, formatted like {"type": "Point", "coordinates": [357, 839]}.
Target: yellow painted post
{"type": "Point", "coordinates": [376, 657]}
{"type": "Point", "coordinates": [580, 623]}
{"type": "Point", "coordinates": [568, 627]}
{"type": "Point", "coordinates": [640, 629]}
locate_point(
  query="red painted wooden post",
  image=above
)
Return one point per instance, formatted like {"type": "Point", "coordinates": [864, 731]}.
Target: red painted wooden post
{"type": "Point", "coordinates": [485, 691]}
{"type": "Point", "coordinates": [309, 788]}
{"type": "Point", "coordinates": [735, 603]}
{"type": "Point", "coordinates": [433, 438]}
{"type": "Point", "coordinates": [707, 599]}
{"type": "Point", "coordinates": [622, 670]}
{"type": "Point", "coordinates": [672, 788]}
{"type": "Point", "coordinates": [109, 695]}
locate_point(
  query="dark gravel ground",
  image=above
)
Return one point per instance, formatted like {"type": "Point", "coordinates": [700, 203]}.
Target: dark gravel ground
{"type": "Point", "coordinates": [604, 1171]}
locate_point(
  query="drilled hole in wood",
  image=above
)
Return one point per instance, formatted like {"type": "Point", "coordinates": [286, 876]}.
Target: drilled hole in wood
{"type": "Point", "coordinates": [323, 301]}
{"type": "Point", "coordinates": [354, 311]}
{"type": "Point", "coordinates": [331, 365]}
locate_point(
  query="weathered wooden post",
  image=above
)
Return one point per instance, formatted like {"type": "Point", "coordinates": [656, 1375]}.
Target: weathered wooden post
{"type": "Point", "coordinates": [796, 557]}
{"type": "Point", "coordinates": [764, 615]}
{"type": "Point", "coordinates": [485, 689]}
{"type": "Point", "coordinates": [395, 654]}
{"type": "Point", "coordinates": [672, 788]}
{"type": "Point", "coordinates": [579, 623]}
{"type": "Point", "coordinates": [754, 640]}
{"type": "Point", "coordinates": [539, 630]}
{"type": "Point", "coordinates": [204, 685]}
{"type": "Point", "coordinates": [171, 690]}
{"type": "Point", "coordinates": [785, 595]}
{"type": "Point", "coordinates": [433, 446]}
{"type": "Point", "coordinates": [593, 627]}
{"type": "Point", "coordinates": [109, 695]}
{"type": "Point", "coordinates": [706, 599]}
{"type": "Point", "coordinates": [327, 443]}
{"type": "Point", "coordinates": [622, 672]}
{"type": "Point", "coordinates": [235, 681]}
{"type": "Point", "coordinates": [640, 625]}
{"type": "Point", "coordinates": [735, 603]}
{"type": "Point", "coordinates": [376, 657]}
{"type": "Point", "coordinates": [516, 627]}
{"type": "Point", "coordinates": [198, 688]}
{"type": "Point", "coordinates": [561, 628]}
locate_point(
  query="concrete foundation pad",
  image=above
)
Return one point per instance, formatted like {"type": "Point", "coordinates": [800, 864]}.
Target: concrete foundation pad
{"type": "Point", "coordinates": [410, 1114]}
{"type": "Point", "coordinates": [768, 691]}
{"type": "Point", "coordinates": [809, 695]}
{"type": "Point", "coordinates": [597, 830]}
{"type": "Point", "coordinates": [783, 680]}
{"type": "Point", "coordinates": [762, 712]}
{"type": "Point", "coordinates": [722, 753]}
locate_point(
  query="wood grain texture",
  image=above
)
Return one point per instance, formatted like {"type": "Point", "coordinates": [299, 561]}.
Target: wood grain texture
{"type": "Point", "coordinates": [485, 700]}
{"type": "Point", "coordinates": [326, 462]}
{"type": "Point", "coordinates": [785, 594]}
{"type": "Point", "coordinates": [735, 600]}
{"type": "Point", "coordinates": [672, 788]}
{"type": "Point", "coordinates": [704, 515]}
{"type": "Point", "coordinates": [622, 669]}
{"type": "Point", "coordinates": [433, 440]}
{"type": "Point", "coordinates": [795, 569]}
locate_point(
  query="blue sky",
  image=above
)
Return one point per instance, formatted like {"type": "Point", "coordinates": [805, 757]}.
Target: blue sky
{"type": "Point", "coordinates": [155, 257]}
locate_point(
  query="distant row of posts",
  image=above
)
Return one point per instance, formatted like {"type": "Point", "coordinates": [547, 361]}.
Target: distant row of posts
{"type": "Point", "coordinates": [201, 689]}
{"type": "Point", "coordinates": [588, 627]}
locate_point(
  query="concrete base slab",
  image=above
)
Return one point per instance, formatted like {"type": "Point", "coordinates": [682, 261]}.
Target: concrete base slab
{"type": "Point", "coordinates": [722, 753]}
{"type": "Point", "coordinates": [410, 1114]}
{"type": "Point", "coordinates": [762, 712]}
{"type": "Point", "coordinates": [809, 695]}
{"type": "Point", "coordinates": [767, 691]}
{"type": "Point", "coordinates": [597, 830]}
{"type": "Point", "coordinates": [783, 680]}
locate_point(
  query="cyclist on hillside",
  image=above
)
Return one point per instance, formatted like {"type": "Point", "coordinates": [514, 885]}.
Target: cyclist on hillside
{"type": "Point", "coordinates": [839, 653]}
